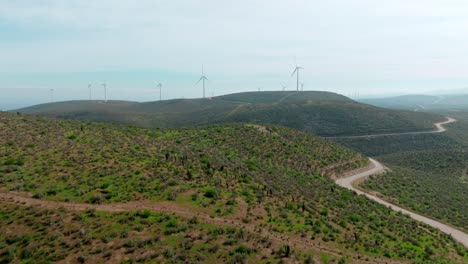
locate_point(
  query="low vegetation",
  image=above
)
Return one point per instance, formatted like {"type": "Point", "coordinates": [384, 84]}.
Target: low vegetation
{"type": "Point", "coordinates": [387, 145]}
{"type": "Point", "coordinates": [428, 171]}
{"type": "Point", "coordinates": [33, 235]}
{"type": "Point", "coordinates": [320, 113]}
{"type": "Point", "coordinates": [434, 183]}
{"type": "Point", "coordinates": [101, 163]}
{"type": "Point", "coordinates": [264, 178]}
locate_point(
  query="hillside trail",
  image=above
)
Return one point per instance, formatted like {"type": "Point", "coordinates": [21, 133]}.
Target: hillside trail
{"type": "Point", "coordinates": [242, 105]}
{"type": "Point", "coordinates": [238, 108]}
{"type": "Point", "coordinates": [286, 96]}
{"type": "Point", "coordinates": [277, 239]}
{"type": "Point", "coordinates": [439, 129]}
{"type": "Point", "coordinates": [376, 168]}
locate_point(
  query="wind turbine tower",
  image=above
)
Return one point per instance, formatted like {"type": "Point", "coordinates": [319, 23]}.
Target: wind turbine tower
{"type": "Point", "coordinates": [203, 78]}
{"type": "Point", "coordinates": [105, 91]}
{"type": "Point", "coordinates": [51, 95]}
{"type": "Point", "coordinates": [89, 88]}
{"type": "Point", "coordinates": [296, 71]}
{"type": "Point", "coordinates": [160, 91]}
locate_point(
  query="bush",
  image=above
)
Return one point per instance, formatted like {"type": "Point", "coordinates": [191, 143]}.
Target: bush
{"type": "Point", "coordinates": [96, 198]}
{"type": "Point", "coordinates": [144, 214]}
{"type": "Point", "coordinates": [38, 195]}
{"type": "Point", "coordinates": [71, 135]}
{"type": "Point", "coordinates": [244, 250]}
{"type": "Point", "coordinates": [211, 193]}
{"type": "Point", "coordinates": [284, 251]}
{"type": "Point", "coordinates": [171, 196]}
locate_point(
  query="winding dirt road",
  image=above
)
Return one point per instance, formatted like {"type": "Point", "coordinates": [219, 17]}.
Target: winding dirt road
{"type": "Point", "coordinates": [377, 168]}
{"type": "Point", "coordinates": [167, 207]}
{"type": "Point", "coordinates": [439, 129]}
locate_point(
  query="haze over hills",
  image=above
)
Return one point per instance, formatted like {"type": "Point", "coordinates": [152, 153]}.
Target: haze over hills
{"type": "Point", "coordinates": [321, 113]}
{"type": "Point", "coordinates": [240, 193]}
{"type": "Point", "coordinates": [433, 103]}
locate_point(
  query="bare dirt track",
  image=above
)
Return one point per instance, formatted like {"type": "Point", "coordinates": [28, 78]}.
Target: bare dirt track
{"type": "Point", "coordinates": [24, 199]}
{"type": "Point", "coordinates": [378, 168]}
{"type": "Point", "coordinates": [439, 129]}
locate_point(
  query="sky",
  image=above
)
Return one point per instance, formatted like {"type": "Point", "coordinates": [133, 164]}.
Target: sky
{"type": "Point", "coordinates": [359, 48]}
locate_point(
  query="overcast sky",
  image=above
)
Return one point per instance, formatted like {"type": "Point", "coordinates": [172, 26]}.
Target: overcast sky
{"type": "Point", "coordinates": [365, 47]}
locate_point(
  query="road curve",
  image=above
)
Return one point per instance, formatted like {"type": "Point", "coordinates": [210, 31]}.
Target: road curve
{"type": "Point", "coordinates": [439, 129]}
{"type": "Point", "coordinates": [377, 168]}
{"type": "Point", "coordinates": [440, 126]}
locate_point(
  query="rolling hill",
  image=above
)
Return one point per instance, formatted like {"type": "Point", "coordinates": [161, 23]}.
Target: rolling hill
{"type": "Point", "coordinates": [320, 113]}
{"type": "Point", "coordinates": [77, 191]}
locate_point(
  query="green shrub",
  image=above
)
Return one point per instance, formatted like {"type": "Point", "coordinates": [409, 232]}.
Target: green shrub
{"type": "Point", "coordinates": [210, 193]}
{"type": "Point", "coordinates": [244, 250]}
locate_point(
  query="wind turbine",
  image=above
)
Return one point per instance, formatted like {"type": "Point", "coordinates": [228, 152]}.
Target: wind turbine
{"type": "Point", "coordinates": [160, 90]}
{"type": "Point", "coordinates": [105, 91]}
{"type": "Point", "coordinates": [302, 86]}
{"type": "Point", "coordinates": [296, 71]}
{"type": "Point", "coordinates": [89, 88]}
{"type": "Point", "coordinates": [51, 95]}
{"type": "Point", "coordinates": [203, 78]}
{"type": "Point", "coordinates": [284, 86]}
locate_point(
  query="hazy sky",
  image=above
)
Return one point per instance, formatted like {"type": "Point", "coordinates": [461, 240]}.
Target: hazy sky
{"type": "Point", "coordinates": [369, 46]}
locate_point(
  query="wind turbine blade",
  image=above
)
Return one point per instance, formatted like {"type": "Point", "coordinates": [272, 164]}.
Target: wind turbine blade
{"type": "Point", "coordinates": [294, 72]}
{"type": "Point", "coordinates": [201, 78]}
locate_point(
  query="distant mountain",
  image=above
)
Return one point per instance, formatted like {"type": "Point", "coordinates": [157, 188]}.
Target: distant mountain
{"type": "Point", "coordinates": [321, 113]}
{"type": "Point", "coordinates": [422, 102]}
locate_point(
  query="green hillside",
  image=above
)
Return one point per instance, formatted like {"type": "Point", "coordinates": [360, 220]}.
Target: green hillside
{"type": "Point", "coordinates": [320, 113]}
{"type": "Point", "coordinates": [331, 118]}
{"type": "Point", "coordinates": [283, 97]}
{"type": "Point", "coordinates": [434, 183]}
{"type": "Point", "coordinates": [237, 193]}
{"type": "Point", "coordinates": [428, 171]}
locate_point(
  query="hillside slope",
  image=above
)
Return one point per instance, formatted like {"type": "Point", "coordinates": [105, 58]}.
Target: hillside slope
{"type": "Point", "coordinates": [428, 171]}
{"type": "Point", "coordinates": [320, 113]}
{"type": "Point", "coordinates": [237, 192]}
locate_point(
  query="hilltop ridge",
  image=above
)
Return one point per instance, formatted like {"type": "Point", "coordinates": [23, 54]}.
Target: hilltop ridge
{"type": "Point", "coordinates": [320, 113]}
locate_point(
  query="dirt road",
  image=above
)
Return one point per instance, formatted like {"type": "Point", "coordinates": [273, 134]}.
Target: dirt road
{"type": "Point", "coordinates": [439, 129]}
{"type": "Point", "coordinates": [278, 239]}
{"type": "Point", "coordinates": [378, 168]}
